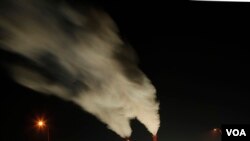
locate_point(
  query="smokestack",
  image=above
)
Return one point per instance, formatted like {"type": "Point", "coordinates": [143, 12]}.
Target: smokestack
{"type": "Point", "coordinates": [126, 139]}
{"type": "Point", "coordinates": [154, 137]}
{"type": "Point", "coordinates": [79, 57]}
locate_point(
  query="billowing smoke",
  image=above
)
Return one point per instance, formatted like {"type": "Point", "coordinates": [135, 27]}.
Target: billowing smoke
{"type": "Point", "coordinates": [77, 55]}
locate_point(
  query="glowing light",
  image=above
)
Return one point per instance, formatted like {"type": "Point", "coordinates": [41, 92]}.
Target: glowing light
{"type": "Point", "coordinates": [40, 123]}
{"type": "Point", "coordinates": [216, 131]}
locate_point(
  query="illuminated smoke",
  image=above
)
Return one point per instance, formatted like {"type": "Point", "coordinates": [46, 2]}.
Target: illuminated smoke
{"type": "Point", "coordinates": [80, 58]}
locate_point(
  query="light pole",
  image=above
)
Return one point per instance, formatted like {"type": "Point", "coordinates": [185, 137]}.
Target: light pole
{"type": "Point", "coordinates": [41, 124]}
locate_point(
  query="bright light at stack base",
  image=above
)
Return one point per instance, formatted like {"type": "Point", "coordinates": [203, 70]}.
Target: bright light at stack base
{"type": "Point", "coordinates": [223, 0]}
{"type": "Point", "coordinates": [40, 123]}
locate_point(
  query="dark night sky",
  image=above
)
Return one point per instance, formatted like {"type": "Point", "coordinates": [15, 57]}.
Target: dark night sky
{"type": "Point", "coordinates": [194, 53]}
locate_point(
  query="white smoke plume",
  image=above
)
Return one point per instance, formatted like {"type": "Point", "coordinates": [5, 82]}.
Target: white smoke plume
{"type": "Point", "coordinates": [77, 55]}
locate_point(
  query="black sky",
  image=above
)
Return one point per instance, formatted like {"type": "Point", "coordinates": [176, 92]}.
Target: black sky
{"type": "Point", "coordinates": [196, 55]}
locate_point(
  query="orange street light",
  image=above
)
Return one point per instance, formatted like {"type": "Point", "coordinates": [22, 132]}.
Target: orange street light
{"type": "Point", "coordinates": [41, 124]}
